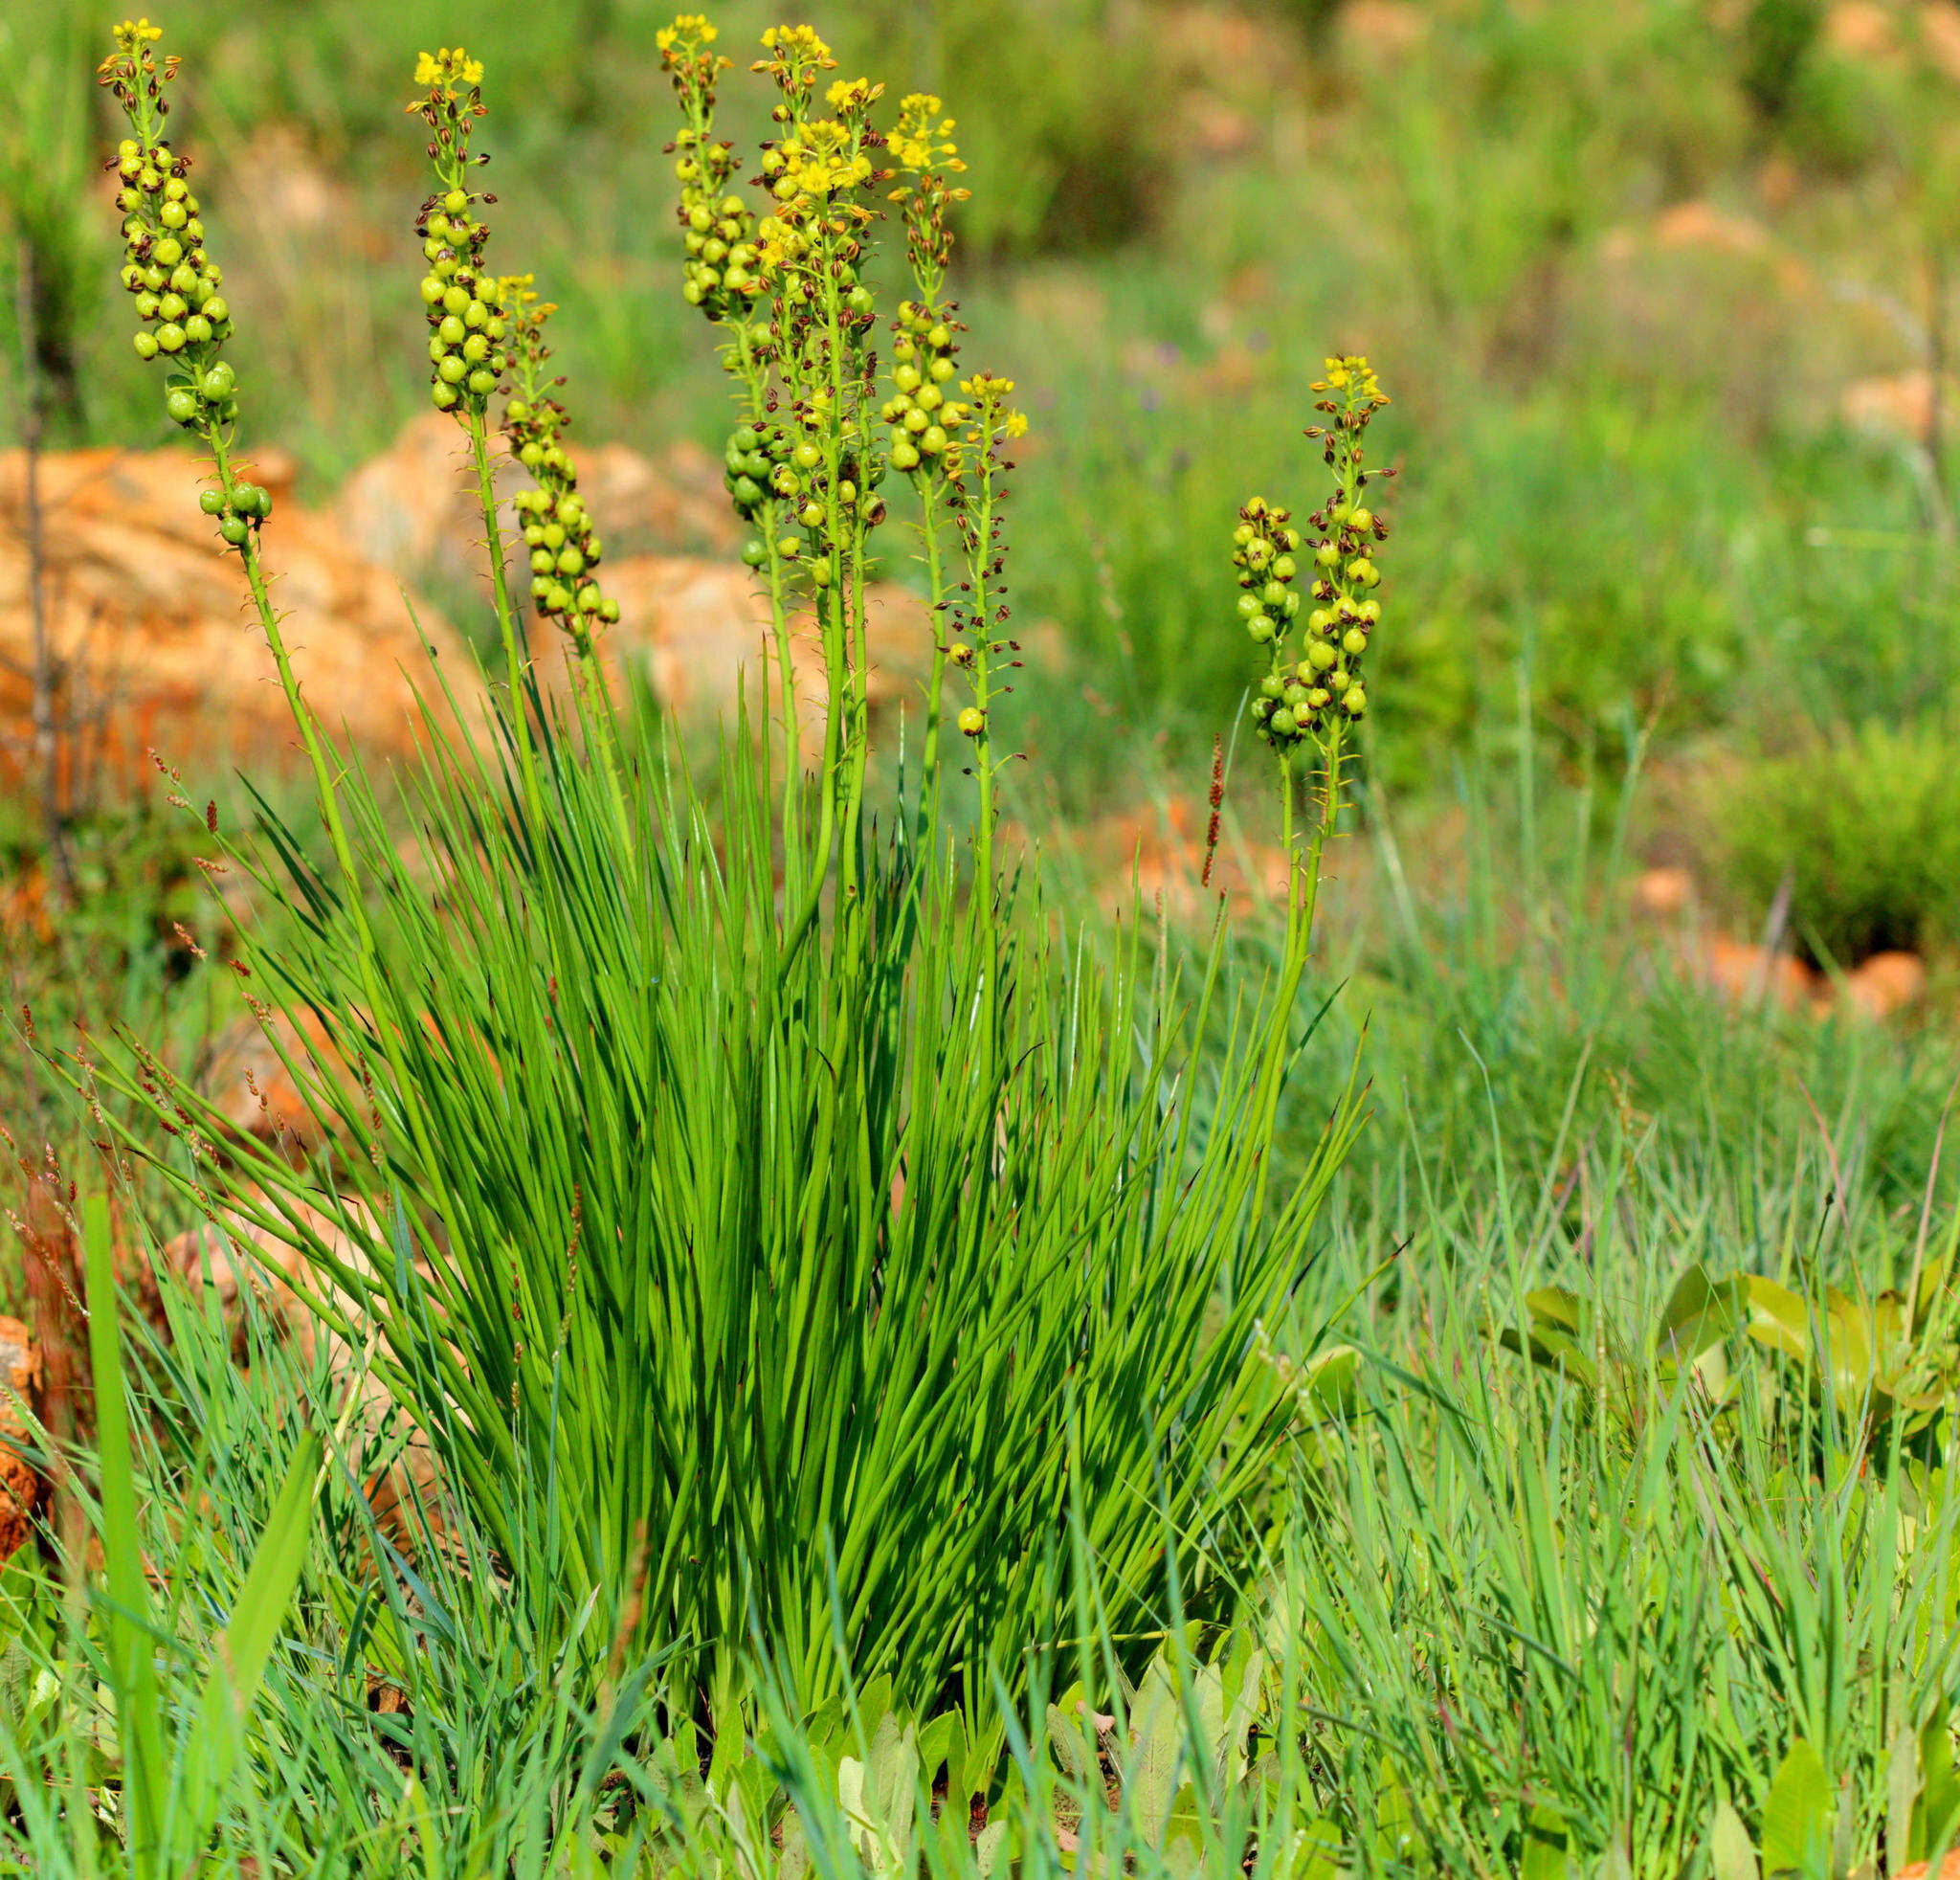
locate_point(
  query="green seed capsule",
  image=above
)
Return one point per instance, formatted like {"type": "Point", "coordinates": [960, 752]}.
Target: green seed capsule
{"type": "Point", "coordinates": [173, 215]}
{"type": "Point", "coordinates": [451, 331]}
{"type": "Point", "coordinates": [445, 397]}
{"type": "Point", "coordinates": [1321, 655]}
{"type": "Point", "coordinates": [754, 553]}
{"type": "Point", "coordinates": [811, 515]}
{"type": "Point", "coordinates": [456, 299]}
{"type": "Point", "coordinates": [905, 457]}
{"type": "Point", "coordinates": [788, 546]}
{"type": "Point", "coordinates": [198, 329]}
{"type": "Point", "coordinates": [543, 561]}
{"type": "Point", "coordinates": [451, 370]}
{"type": "Point", "coordinates": [145, 346]}
{"type": "Point", "coordinates": [1357, 702]}
{"type": "Point", "coordinates": [170, 337]}
{"type": "Point", "coordinates": [216, 311]}
{"type": "Point", "coordinates": [483, 383]}
{"type": "Point", "coordinates": [807, 455]}
{"type": "Point", "coordinates": [1283, 723]}
{"type": "Point", "coordinates": [1261, 628]}
{"type": "Point", "coordinates": [571, 562]}
{"type": "Point", "coordinates": [234, 529]}
{"type": "Point", "coordinates": [438, 351]}
{"type": "Point", "coordinates": [172, 306]}
{"type": "Point", "coordinates": [169, 252]}
{"type": "Point", "coordinates": [476, 348]}
{"type": "Point", "coordinates": [1355, 643]}
{"type": "Point", "coordinates": [475, 314]}
{"type": "Point", "coordinates": [211, 502]}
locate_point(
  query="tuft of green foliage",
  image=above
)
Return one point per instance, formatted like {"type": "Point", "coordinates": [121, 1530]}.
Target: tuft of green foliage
{"type": "Point", "coordinates": [1865, 823]}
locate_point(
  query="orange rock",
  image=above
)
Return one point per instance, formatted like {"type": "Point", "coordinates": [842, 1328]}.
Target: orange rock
{"type": "Point", "coordinates": [417, 510]}
{"type": "Point", "coordinates": [699, 631]}
{"type": "Point", "coordinates": [1860, 28]}
{"type": "Point", "coordinates": [1939, 36]}
{"type": "Point", "coordinates": [257, 1095]}
{"type": "Point", "coordinates": [1886, 983]}
{"type": "Point", "coordinates": [1159, 856]}
{"type": "Point", "coordinates": [1700, 224]}
{"type": "Point", "coordinates": [20, 1487]}
{"type": "Point", "coordinates": [1392, 27]}
{"type": "Point", "coordinates": [1950, 1869]}
{"type": "Point", "coordinates": [152, 634]}
{"type": "Point", "coordinates": [1748, 975]}
{"type": "Point", "coordinates": [1896, 403]}
{"type": "Point", "coordinates": [1663, 892]}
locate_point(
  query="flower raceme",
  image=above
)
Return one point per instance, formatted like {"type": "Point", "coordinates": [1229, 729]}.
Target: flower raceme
{"type": "Point", "coordinates": [1305, 696]}
{"type": "Point", "coordinates": [175, 284]}
{"type": "Point", "coordinates": [559, 538]}
{"type": "Point", "coordinates": [467, 325]}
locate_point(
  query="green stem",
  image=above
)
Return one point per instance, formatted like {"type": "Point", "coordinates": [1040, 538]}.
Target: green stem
{"type": "Point", "coordinates": [516, 653]}
{"type": "Point", "coordinates": [935, 692]}
{"type": "Point", "coordinates": [1303, 894]}
{"type": "Point", "coordinates": [327, 789]}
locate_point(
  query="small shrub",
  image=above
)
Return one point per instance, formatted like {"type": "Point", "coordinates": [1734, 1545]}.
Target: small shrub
{"type": "Point", "coordinates": [1867, 825]}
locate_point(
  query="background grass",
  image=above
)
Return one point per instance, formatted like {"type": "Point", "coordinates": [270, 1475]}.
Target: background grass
{"type": "Point", "coordinates": [1633, 518]}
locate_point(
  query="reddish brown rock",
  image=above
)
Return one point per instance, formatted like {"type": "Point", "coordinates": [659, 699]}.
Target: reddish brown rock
{"type": "Point", "coordinates": [1894, 404]}
{"type": "Point", "coordinates": [1664, 893]}
{"type": "Point", "coordinates": [250, 1081]}
{"type": "Point", "coordinates": [1884, 984]}
{"type": "Point", "coordinates": [1950, 1869]}
{"type": "Point", "coordinates": [416, 510]}
{"type": "Point", "coordinates": [20, 1487]}
{"type": "Point", "coordinates": [153, 630]}
{"type": "Point", "coordinates": [1862, 29]}
{"type": "Point", "coordinates": [1939, 36]}
{"type": "Point", "coordinates": [700, 634]}
{"type": "Point", "coordinates": [1747, 974]}
{"type": "Point", "coordinates": [1159, 855]}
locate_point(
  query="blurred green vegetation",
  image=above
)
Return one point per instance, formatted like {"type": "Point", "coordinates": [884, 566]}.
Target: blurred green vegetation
{"type": "Point", "coordinates": [1622, 264]}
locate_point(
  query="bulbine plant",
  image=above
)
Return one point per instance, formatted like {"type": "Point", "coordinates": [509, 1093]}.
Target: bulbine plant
{"type": "Point", "coordinates": [781, 1240]}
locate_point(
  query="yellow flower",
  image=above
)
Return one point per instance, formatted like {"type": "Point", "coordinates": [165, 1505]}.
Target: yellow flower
{"type": "Point", "coordinates": [798, 45]}
{"type": "Point", "coordinates": [130, 33]}
{"type": "Point", "coordinates": [917, 141]}
{"type": "Point", "coordinates": [849, 95]}
{"type": "Point", "coordinates": [694, 27]}
{"type": "Point", "coordinates": [447, 69]}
